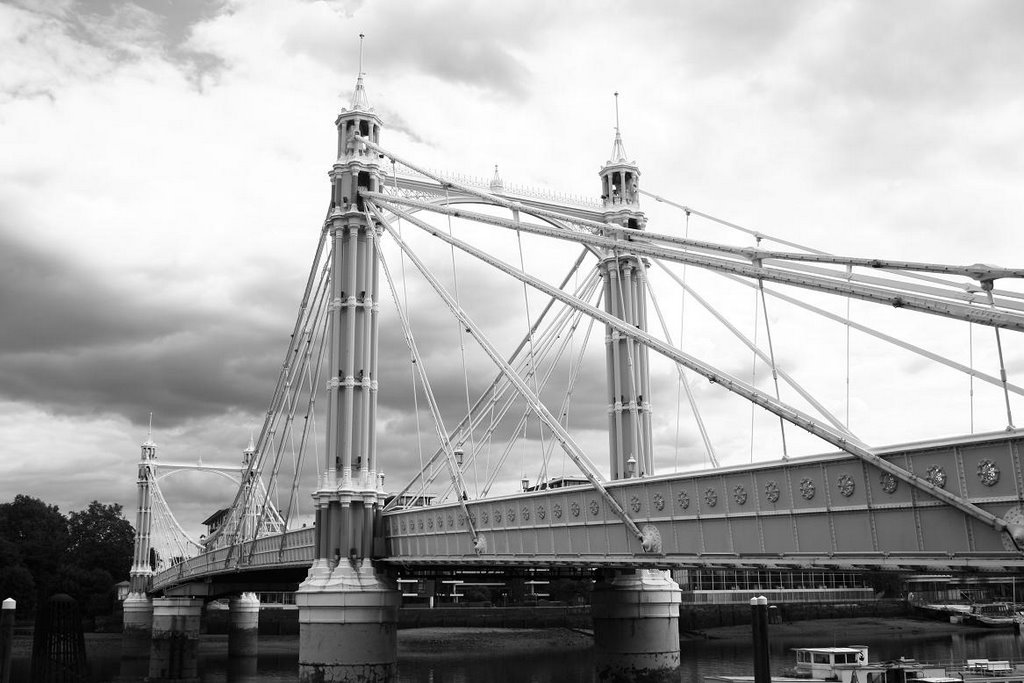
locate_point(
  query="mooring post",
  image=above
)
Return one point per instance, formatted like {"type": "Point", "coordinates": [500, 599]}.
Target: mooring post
{"type": "Point", "coordinates": [6, 639]}
{"type": "Point", "coordinates": [759, 627]}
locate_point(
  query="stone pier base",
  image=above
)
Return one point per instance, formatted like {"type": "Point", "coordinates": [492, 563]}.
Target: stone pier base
{"type": "Point", "coordinates": [138, 626]}
{"type": "Point", "coordinates": [243, 625]}
{"type": "Point", "coordinates": [348, 618]}
{"type": "Point", "coordinates": [636, 627]}
{"type": "Point", "coordinates": [174, 655]}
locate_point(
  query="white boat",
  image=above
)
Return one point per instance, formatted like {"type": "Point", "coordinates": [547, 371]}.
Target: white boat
{"type": "Point", "coordinates": [851, 665]}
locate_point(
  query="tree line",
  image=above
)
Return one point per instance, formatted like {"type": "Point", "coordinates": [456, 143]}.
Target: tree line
{"type": "Point", "coordinates": [84, 554]}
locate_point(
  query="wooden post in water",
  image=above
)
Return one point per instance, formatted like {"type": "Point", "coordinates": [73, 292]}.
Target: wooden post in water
{"type": "Point", "coordinates": [6, 639]}
{"type": "Point", "coordinates": [759, 626]}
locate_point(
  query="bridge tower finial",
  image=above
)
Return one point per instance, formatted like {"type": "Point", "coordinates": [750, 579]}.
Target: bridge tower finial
{"type": "Point", "coordinates": [496, 183]}
{"type": "Point", "coordinates": [359, 99]}
{"type": "Point", "coordinates": [249, 453]}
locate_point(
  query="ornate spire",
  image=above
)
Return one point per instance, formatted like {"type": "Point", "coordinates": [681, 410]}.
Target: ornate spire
{"type": "Point", "coordinates": [618, 150]}
{"type": "Point", "coordinates": [249, 452]}
{"type": "Point", "coordinates": [359, 99]}
{"type": "Point", "coordinates": [149, 446]}
{"type": "Point", "coordinates": [496, 184]}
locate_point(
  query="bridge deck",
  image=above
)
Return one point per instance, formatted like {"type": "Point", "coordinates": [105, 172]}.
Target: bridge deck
{"type": "Point", "coordinates": [825, 511]}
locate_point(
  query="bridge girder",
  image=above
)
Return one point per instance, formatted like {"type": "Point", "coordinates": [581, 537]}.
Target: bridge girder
{"type": "Point", "coordinates": [832, 512]}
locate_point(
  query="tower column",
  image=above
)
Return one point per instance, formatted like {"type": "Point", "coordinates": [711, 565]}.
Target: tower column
{"type": "Point", "coordinates": [625, 298]}
{"type": "Point", "coordinates": [348, 611]}
{"type": "Point", "coordinates": [243, 625]}
{"type": "Point", "coordinates": [636, 627]}
{"type": "Point", "coordinates": [138, 608]}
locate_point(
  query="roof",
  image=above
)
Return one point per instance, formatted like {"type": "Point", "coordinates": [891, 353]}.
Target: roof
{"type": "Point", "coordinates": [215, 517]}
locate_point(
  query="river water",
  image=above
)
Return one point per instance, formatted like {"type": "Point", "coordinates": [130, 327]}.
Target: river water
{"type": "Point", "coordinates": [450, 661]}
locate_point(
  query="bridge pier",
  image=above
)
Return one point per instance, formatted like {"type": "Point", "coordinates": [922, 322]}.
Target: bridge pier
{"type": "Point", "coordinates": [243, 625]}
{"type": "Point", "coordinates": [174, 655]}
{"type": "Point", "coordinates": [348, 619]}
{"type": "Point", "coordinates": [137, 631]}
{"type": "Point", "coordinates": [636, 626]}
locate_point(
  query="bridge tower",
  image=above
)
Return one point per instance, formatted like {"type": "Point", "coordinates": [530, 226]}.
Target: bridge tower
{"type": "Point", "coordinates": [629, 411]}
{"type": "Point", "coordinates": [635, 613]}
{"type": "Point", "coordinates": [347, 611]}
{"type": "Point", "coordinates": [138, 607]}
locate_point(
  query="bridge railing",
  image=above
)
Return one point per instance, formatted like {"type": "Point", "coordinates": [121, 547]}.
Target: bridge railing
{"type": "Point", "coordinates": [297, 548]}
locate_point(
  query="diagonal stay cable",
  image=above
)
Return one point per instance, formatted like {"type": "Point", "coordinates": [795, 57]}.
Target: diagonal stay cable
{"type": "Point", "coordinates": [807, 396]}
{"type": "Point", "coordinates": [970, 371]}
{"type": "Point", "coordinates": [708, 447]}
{"type": "Point", "coordinates": [790, 414]}
{"type": "Point", "coordinates": [483, 400]}
{"type": "Point", "coordinates": [571, 448]}
{"type": "Point", "coordinates": [838, 286]}
{"type": "Point", "coordinates": [442, 433]}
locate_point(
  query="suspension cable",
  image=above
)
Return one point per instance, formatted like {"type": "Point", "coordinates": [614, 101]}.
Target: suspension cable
{"type": "Point", "coordinates": [499, 377]}
{"type": "Point", "coordinates": [828, 284]}
{"type": "Point", "coordinates": [574, 373]}
{"type": "Point", "coordinates": [412, 361]}
{"type": "Point", "coordinates": [1016, 389]}
{"type": "Point", "coordinates": [791, 414]}
{"type": "Point", "coordinates": [682, 377]}
{"type": "Point", "coordinates": [970, 377]}
{"type": "Point", "coordinates": [529, 327]}
{"type": "Point", "coordinates": [442, 433]}
{"type": "Point", "coordinates": [987, 286]}
{"type": "Point", "coordinates": [849, 274]}
{"type": "Point", "coordinates": [572, 449]}
{"type": "Point", "coordinates": [462, 342]}
{"type": "Point", "coordinates": [709, 449]}
{"type": "Point", "coordinates": [753, 373]}
{"type": "Point", "coordinates": [548, 337]}
{"type": "Point", "coordinates": [775, 374]}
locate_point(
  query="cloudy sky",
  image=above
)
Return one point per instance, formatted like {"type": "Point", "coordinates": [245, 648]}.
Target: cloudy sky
{"type": "Point", "coordinates": [163, 181]}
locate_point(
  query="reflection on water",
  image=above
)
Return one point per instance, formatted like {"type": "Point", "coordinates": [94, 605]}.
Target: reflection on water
{"type": "Point", "coordinates": [279, 656]}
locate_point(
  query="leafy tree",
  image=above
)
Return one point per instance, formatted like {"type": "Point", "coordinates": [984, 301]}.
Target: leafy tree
{"type": "Point", "coordinates": [101, 538]}
{"type": "Point", "coordinates": [40, 534]}
{"type": "Point", "coordinates": [91, 587]}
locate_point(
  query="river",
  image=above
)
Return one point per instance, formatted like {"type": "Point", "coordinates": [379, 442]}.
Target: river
{"type": "Point", "coordinates": [525, 656]}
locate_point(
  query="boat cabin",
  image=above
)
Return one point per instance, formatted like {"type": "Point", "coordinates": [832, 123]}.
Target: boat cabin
{"type": "Point", "coordinates": [850, 665]}
{"type": "Point", "coordinates": [821, 662]}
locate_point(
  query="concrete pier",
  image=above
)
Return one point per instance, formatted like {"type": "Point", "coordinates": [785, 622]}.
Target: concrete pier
{"type": "Point", "coordinates": [348, 618]}
{"type": "Point", "coordinates": [636, 627]}
{"type": "Point", "coordinates": [174, 655]}
{"type": "Point", "coordinates": [243, 625]}
{"type": "Point", "coordinates": [137, 631]}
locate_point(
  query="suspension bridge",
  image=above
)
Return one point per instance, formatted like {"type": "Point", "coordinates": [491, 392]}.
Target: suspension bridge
{"type": "Point", "coordinates": [942, 504]}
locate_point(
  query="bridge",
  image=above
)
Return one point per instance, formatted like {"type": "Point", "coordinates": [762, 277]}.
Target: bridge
{"type": "Point", "coordinates": [951, 504]}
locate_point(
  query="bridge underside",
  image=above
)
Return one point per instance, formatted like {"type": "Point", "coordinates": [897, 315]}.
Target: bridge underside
{"type": "Point", "coordinates": [832, 511]}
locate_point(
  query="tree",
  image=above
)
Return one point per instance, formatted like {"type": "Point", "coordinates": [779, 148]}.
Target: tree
{"type": "Point", "coordinates": [39, 532]}
{"type": "Point", "coordinates": [101, 538]}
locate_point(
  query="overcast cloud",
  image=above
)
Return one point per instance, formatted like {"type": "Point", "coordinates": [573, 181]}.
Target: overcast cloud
{"type": "Point", "coordinates": [163, 182]}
